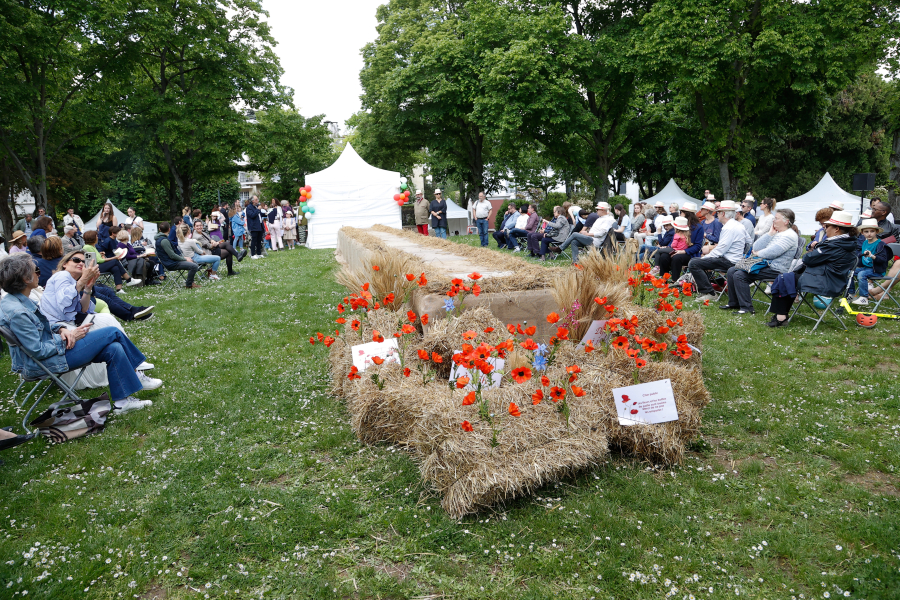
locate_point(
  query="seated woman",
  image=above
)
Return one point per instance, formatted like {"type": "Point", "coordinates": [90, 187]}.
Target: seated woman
{"type": "Point", "coordinates": [826, 268]}
{"type": "Point", "coordinates": [192, 250]}
{"type": "Point", "coordinates": [144, 249]}
{"type": "Point", "coordinates": [215, 247]}
{"type": "Point", "coordinates": [42, 226]}
{"type": "Point", "coordinates": [778, 247]}
{"type": "Point", "coordinates": [51, 252]}
{"type": "Point", "coordinates": [623, 227]}
{"type": "Point", "coordinates": [674, 262]}
{"type": "Point", "coordinates": [17, 242]}
{"type": "Point", "coordinates": [134, 262]}
{"type": "Point", "coordinates": [644, 234]}
{"type": "Point", "coordinates": [113, 267]}
{"type": "Point", "coordinates": [664, 239]}
{"type": "Point", "coordinates": [10, 440]}
{"type": "Point", "coordinates": [61, 349]}
{"type": "Point", "coordinates": [560, 228]}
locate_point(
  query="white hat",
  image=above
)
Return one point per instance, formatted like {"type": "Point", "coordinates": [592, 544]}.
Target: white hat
{"type": "Point", "coordinates": [689, 206]}
{"type": "Point", "coordinates": [418, 192]}
{"type": "Point", "coordinates": [218, 215]}
{"type": "Point", "coordinates": [837, 205]}
{"type": "Point", "coordinates": [866, 214]}
{"type": "Point", "coordinates": [603, 205]}
{"type": "Point", "coordinates": [68, 228]}
{"type": "Point", "coordinates": [659, 205]}
{"type": "Point", "coordinates": [841, 219]}
{"type": "Point", "coordinates": [711, 197]}
{"type": "Point", "coordinates": [681, 223]}
{"type": "Point", "coordinates": [709, 206]}
{"type": "Point", "coordinates": [727, 205]}
{"type": "Point", "coordinates": [437, 191]}
{"type": "Point", "coordinates": [870, 224]}
{"type": "Point", "coordinates": [666, 220]}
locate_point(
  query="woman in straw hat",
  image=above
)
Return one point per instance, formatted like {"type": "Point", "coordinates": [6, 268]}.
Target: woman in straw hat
{"type": "Point", "coordinates": [825, 268]}
{"type": "Point", "coordinates": [17, 242]}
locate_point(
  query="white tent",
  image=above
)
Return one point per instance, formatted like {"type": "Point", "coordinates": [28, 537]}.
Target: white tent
{"type": "Point", "coordinates": [149, 228]}
{"type": "Point", "coordinates": [825, 192]}
{"type": "Point", "coordinates": [457, 218]}
{"type": "Point", "coordinates": [672, 194]}
{"type": "Point", "coordinates": [351, 192]}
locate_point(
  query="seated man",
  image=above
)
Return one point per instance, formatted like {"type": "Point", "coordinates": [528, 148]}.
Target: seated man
{"type": "Point", "coordinates": [172, 260]}
{"type": "Point", "coordinates": [580, 230]}
{"type": "Point", "coordinates": [725, 255]}
{"type": "Point", "coordinates": [70, 241]}
{"type": "Point", "coordinates": [526, 223]}
{"type": "Point", "coordinates": [600, 227]}
{"type": "Point", "coordinates": [509, 221]}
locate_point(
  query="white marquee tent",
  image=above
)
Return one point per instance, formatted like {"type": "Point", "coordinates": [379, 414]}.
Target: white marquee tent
{"type": "Point", "coordinates": [457, 218]}
{"type": "Point", "coordinates": [351, 192]}
{"type": "Point", "coordinates": [149, 228]}
{"type": "Point", "coordinates": [825, 192]}
{"type": "Point", "coordinates": [672, 193]}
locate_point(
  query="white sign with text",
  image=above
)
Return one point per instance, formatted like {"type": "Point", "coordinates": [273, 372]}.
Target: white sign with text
{"type": "Point", "coordinates": [362, 354]}
{"type": "Point", "coordinates": [646, 403]}
{"type": "Point", "coordinates": [491, 381]}
{"type": "Point", "coordinates": [596, 333]}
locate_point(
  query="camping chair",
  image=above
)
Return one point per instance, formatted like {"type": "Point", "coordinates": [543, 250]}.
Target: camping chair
{"type": "Point", "coordinates": [887, 283]}
{"type": "Point", "coordinates": [554, 252]}
{"type": "Point", "coordinates": [759, 287]}
{"type": "Point", "coordinates": [68, 391]}
{"type": "Point", "coordinates": [833, 307]}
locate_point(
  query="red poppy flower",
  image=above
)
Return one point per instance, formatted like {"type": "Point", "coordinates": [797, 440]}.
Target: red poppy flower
{"type": "Point", "coordinates": [577, 391]}
{"type": "Point", "coordinates": [312, 340]}
{"type": "Point", "coordinates": [354, 373]}
{"type": "Point", "coordinates": [476, 290]}
{"type": "Point", "coordinates": [461, 382]}
{"type": "Point", "coordinates": [469, 399]}
{"type": "Point", "coordinates": [530, 330]}
{"type": "Point", "coordinates": [422, 281]}
{"type": "Point", "coordinates": [436, 357]}
{"type": "Point", "coordinates": [600, 301]}
{"type": "Point", "coordinates": [475, 276]}
{"type": "Point", "coordinates": [466, 426]}
{"type": "Point", "coordinates": [340, 321]}
{"type": "Point", "coordinates": [573, 377]}
{"type": "Point", "coordinates": [521, 374]}
{"type": "Point", "coordinates": [407, 328]}
{"type": "Point", "coordinates": [411, 316]}
{"type": "Point", "coordinates": [670, 323]}
{"type": "Point", "coordinates": [410, 276]}
{"type": "Point", "coordinates": [424, 319]}
{"type": "Point", "coordinates": [589, 347]}
{"type": "Point", "coordinates": [557, 394]}
{"type": "Point", "coordinates": [514, 410]}
{"type": "Point", "coordinates": [632, 352]}
{"type": "Point", "coordinates": [389, 299]}
{"type": "Point", "coordinates": [684, 352]}
{"type": "Point", "coordinates": [610, 309]}
{"type": "Point", "coordinates": [365, 286]}
{"type": "Point", "coordinates": [679, 305]}
{"type": "Point", "coordinates": [573, 369]}
{"type": "Point", "coordinates": [662, 330]}
{"type": "Point", "coordinates": [377, 360]}
{"type": "Point", "coordinates": [529, 344]}
{"type": "Point", "coordinates": [640, 363]}
{"type": "Point", "coordinates": [562, 333]}
{"type": "Point", "coordinates": [552, 317]}
{"type": "Point", "coordinates": [340, 308]}
{"type": "Point", "coordinates": [470, 335]}
{"type": "Point", "coordinates": [519, 328]}
{"type": "Point", "coordinates": [407, 372]}
{"type": "Point", "coordinates": [377, 306]}
{"type": "Point", "coordinates": [489, 330]}
{"type": "Point", "coordinates": [377, 337]}
{"type": "Point", "coordinates": [511, 328]}
{"type": "Point", "coordinates": [423, 354]}
{"type": "Point", "coordinates": [376, 268]}
{"type": "Point", "coordinates": [320, 336]}
{"type": "Point", "coordinates": [620, 342]}
{"type": "Point", "coordinates": [456, 281]}
{"type": "Point", "coordinates": [545, 381]}
{"type": "Point", "coordinates": [328, 341]}
{"type": "Point", "coordinates": [537, 396]}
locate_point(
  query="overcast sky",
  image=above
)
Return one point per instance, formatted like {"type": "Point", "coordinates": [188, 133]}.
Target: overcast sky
{"type": "Point", "coordinates": [319, 46]}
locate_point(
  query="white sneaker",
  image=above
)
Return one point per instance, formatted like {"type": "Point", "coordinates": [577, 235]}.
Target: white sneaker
{"type": "Point", "coordinates": [214, 277]}
{"type": "Point", "coordinates": [144, 366]}
{"type": "Point", "coordinates": [120, 407]}
{"type": "Point", "coordinates": [134, 281]}
{"type": "Point", "coordinates": [144, 312]}
{"type": "Point", "coordinates": [516, 249]}
{"type": "Point", "coordinates": [861, 301]}
{"type": "Point", "coordinates": [148, 382]}
{"type": "Point", "coordinates": [256, 257]}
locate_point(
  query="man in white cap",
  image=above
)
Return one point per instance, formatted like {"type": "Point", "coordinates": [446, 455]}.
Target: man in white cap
{"type": "Point", "coordinates": [725, 255]}
{"type": "Point", "coordinates": [420, 210]}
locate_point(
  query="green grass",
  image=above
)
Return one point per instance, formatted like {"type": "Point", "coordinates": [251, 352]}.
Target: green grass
{"type": "Point", "coordinates": [244, 479]}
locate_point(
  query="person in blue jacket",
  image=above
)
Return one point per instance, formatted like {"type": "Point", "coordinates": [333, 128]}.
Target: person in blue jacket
{"type": "Point", "coordinates": [873, 258]}
{"type": "Point", "coordinates": [675, 262]}
{"type": "Point", "coordinates": [254, 226]}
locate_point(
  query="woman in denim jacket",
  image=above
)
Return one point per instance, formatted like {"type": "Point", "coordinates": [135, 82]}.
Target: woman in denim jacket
{"type": "Point", "coordinates": [61, 349]}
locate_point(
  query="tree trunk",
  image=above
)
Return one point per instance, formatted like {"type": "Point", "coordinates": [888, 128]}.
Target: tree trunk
{"type": "Point", "coordinates": [725, 176]}
{"type": "Point", "coordinates": [894, 175]}
{"type": "Point", "coordinates": [7, 195]}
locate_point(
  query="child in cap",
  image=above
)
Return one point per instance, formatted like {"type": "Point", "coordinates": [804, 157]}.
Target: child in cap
{"type": "Point", "coordinates": [873, 259]}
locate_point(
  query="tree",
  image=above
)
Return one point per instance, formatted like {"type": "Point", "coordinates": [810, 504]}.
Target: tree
{"type": "Point", "coordinates": [285, 147]}
{"type": "Point", "coordinates": [199, 64]}
{"type": "Point", "coordinates": [375, 140]}
{"type": "Point", "coordinates": [751, 69]}
{"type": "Point", "coordinates": [60, 65]}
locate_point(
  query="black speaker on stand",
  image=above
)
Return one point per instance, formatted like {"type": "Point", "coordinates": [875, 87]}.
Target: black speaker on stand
{"type": "Point", "coordinates": [863, 182]}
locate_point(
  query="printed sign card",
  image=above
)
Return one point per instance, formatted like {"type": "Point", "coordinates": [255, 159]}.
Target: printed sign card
{"type": "Point", "coordinates": [492, 381]}
{"type": "Point", "coordinates": [646, 403]}
{"type": "Point", "coordinates": [362, 354]}
{"type": "Point", "coordinates": [596, 333]}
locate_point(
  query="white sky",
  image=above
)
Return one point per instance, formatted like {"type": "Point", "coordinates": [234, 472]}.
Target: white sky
{"type": "Point", "coordinates": [319, 46]}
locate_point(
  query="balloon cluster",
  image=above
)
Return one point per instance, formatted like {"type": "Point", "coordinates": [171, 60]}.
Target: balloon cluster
{"type": "Point", "coordinates": [305, 205]}
{"type": "Point", "coordinates": [403, 196]}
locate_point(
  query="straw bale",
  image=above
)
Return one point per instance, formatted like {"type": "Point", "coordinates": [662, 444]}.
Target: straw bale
{"type": "Point", "coordinates": [444, 336]}
{"type": "Point", "coordinates": [387, 414]}
{"type": "Point", "coordinates": [579, 287]}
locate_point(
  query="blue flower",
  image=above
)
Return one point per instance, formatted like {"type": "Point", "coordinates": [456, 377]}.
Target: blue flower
{"type": "Point", "coordinates": [448, 304]}
{"type": "Point", "coordinates": [541, 350]}
{"type": "Point", "coordinates": [540, 363]}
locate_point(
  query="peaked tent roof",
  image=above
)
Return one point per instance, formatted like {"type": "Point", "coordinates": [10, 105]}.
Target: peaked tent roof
{"type": "Point", "coordinates": [672, 193]}
{"type": "Point", "coordinates": [349, 167]}
{"type": "Point", "coordinates": [455, 211]}
{"type": "Point", "coordinates": [824, 193]}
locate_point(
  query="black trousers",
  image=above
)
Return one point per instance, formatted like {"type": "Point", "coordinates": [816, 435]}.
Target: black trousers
{"type": "Point", "coordinates": [781, 305]}
{"type": "Point", "coordinates": [672, 263]}
{"type": "Point", "coordinates": [227, 252]}
{"type": "Point", "coordinates": [256, 243]}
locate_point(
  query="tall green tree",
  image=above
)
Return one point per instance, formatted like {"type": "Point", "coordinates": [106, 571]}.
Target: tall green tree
{"type": "Point", "coordinates": [200, 65]}
{"type": "Point", "coordinates": [61, 66]}
{"type": "Point", "coordinates": [751, 69]}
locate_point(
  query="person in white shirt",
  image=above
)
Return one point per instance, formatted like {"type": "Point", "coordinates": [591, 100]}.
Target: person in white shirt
{"type": "Point", "coordinates": [75, 221]}
{"type": "Point", "coordinates": [766, 217]}
{"type": "Point", "coordinates": [481, 210]}
{"type": "Point", "coordinates": [132, 218]}
{"type": "Point", "coordinates": [603, 225]}
{"type": "Point", "coordinates": [660, 213]}
{"type": "Point", "coordinates": [725, 255]}
{"type": "Point", "coordinates": [741, 218]}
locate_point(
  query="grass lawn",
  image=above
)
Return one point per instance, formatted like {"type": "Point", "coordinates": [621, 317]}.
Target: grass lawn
{"type": "Point", "coordinates": [245, 480]}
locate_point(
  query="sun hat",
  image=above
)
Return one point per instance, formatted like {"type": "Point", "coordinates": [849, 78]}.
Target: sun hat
{"type": "Point", "coordinates": [837, 205]}
{"type": "Point", "coordinates": [841, 219]}
{"type": "Point", "coordinates": [659, 205]}
{"type": "Point", "coordinates": [870, 224]}
{"type": "Point", "coordinates": [867, 214]}
{"type": "Point", "coordinates": [689, 206]}
{"type": "Point", "coordinates": [667, 220]}
{"type": "Point", "coordinates": [418, 192]}
{"type": "Point", "coordinates": [711, 197]}
{"type": "Point", "coordinates": [681, 223]}
{"type": "Point", "coordinates": [16, 235]}
{"type": "Point", "coordinates": [437, 191]}
{"type": "Point", "coordinates": [727, 205]}
{"type": "Point", "coordinates": [709, 206]}
{"type": "Point", "coordinates": [603, 205]}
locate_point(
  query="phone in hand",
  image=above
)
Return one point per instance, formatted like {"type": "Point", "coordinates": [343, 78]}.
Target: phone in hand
{"type": "Point", "coordinates": [90, 259]}
{"type": "Point", "coordinates": [88, 320]}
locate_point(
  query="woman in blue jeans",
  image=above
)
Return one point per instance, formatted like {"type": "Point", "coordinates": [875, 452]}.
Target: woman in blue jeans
{"type": "Point", "coordinates": [61, 349]}
{"type": "Point", "coordinates": [192, 250]}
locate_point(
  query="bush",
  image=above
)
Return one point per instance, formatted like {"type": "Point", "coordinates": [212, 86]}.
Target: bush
{"type": "Point", "coordinates": [623, 200]}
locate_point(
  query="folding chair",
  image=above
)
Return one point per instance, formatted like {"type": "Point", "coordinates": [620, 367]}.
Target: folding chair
{"type": "Point", "coordinates": [555, 252]}
{"type": "Point", "coordinates": [759, 287]}
{"type": "Point", "coordinates": [833, 307]}
{"type": "Point", "coordinates": [68, 391]}
{"type": "Point", "coordinates": [887, 283]}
